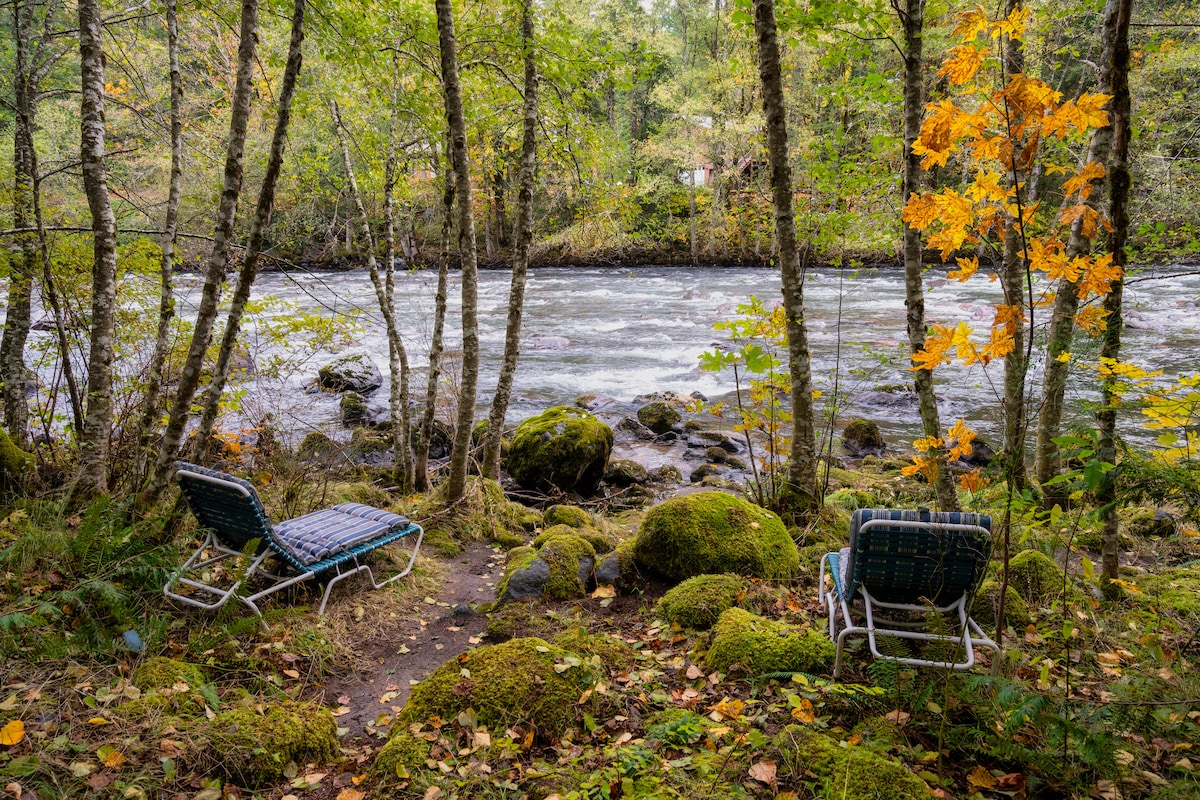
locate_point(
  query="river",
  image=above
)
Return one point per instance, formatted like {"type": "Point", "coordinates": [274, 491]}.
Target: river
{"type": "Point", "coordinates": [626, 333]}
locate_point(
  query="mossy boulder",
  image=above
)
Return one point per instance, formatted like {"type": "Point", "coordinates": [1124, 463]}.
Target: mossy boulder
{"type": "Point", "coordinates": [712, 533]}
{"type": "Point", "coordinates": [254, 746]}
{"type": "Point", "coordinates": [612, 652]}
{"type": "Point", "coordinates": [658, 417]}
{"type": "Point", "coordinates": [623, 473]}
{"type": "Point", "coordinates": [619, 568]}
{"type": "Point", "coordinates": [519, 620]}
{"type": "Point", "coordinates": [402, 754]}
{"type": "Point", "coordinates": [160, 672]}
{"type": "Point", "coordinates": [600, 541]}
{"type": "Point", "coordinates": [561, 448]}
{"type": "Point", "coordinates": [353, 373]}
{"type": "Point", "coordinates": [560, 514]}
{"type": "Point", "coordinates": [367, 442]}
{"type": "Point", "coordinates": [353, 409]}
{"type": "Point", "coordinates": [698, 602]}
{"type": "Point", "coordinates": [1146, 523]}
{"type": "Point", "coordinates": [755, 645]}
{"type": "Point", "coordinates": [514, 683]}
{"type": "Point", "coordinates": [856, 772]}
{"type": "Point", "coordinates": [862, 437]}
{"type": "Point", "coordinates": [15, 465]}
{"type": "Point", "coordinates": [559, 567]}
{"type": "Point", "coordinates": [317, 445]}
{"type": "Point", "coordinates": [987, 600]}
{"type": "Point", "coordinates": [1036, 577]}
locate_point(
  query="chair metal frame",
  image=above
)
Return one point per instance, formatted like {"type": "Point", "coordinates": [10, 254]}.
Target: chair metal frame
{"type": "Point", "coordinates": [839, 601]}
{"type": "Point", "coordinates": [213, 551]}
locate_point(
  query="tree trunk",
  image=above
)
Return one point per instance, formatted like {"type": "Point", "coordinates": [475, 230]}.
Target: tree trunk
{"type": "Point", "coordinates": [254, 243]}
{"type": "Point", "coordinates": [1116, 30]}
{"type": "Point", "coordinates": [912, 20]}
{"type": "Point", "coordinates": [467, 253]}
{"type": "Point", "coordinates": [693, 243]}
{"type": "Point", "coordinates": [516, 295]}
{"type": "Point", "coordinates": [218, 259]}
{"type": "Point", "coordinates": [166, 304]}
{"type": "Point", "coordinates": [421, 468]}
{"type": "Point", "coordinates": [398, 404]}
{"type": "Point", "coordinates": [97, 421]}
{"type": "Point", "coordinates": [801, 491]}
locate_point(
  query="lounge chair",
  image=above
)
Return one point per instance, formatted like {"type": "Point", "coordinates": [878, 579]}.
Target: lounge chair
{"type": "Point", "coordinates": [915, 563]}
{"type": "Point", "coordinates": [323, 544]}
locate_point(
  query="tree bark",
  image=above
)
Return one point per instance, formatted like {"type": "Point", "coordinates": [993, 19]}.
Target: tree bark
{"type": "Point", "coordinates": [468, 253]}
{"type": "Point", "coordinates": [218, 259]}
{"type": "Point", "coordinates": [166, 304]}
{"type": "Point", "coordinates": [516, 294]}
{"type": "Point", "coordinates": [97, 422]}
{"type": "Point", "coordinates": [254, 243]}
{"type": "Point", "coordinates": [801, 491]}
{"type": "Point", "coordinates": [1116, 29]}
{"type": "Point", "coordinates": [421, 467]}
{"type": "Point", "coordinates": [912, 20]}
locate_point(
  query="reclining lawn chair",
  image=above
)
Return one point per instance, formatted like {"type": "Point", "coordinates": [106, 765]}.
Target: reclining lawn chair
{"type": "Point", "coordinates": [322, 544]}
{"type": "Point", "coordinates": [913, 562]}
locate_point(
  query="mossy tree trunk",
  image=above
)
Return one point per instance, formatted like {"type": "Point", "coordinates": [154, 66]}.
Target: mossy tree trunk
{"type": "Point", "coordinates": [218, 259]}
{"type": "Point", "coordinates": [1116, 30]}
{"type": "Point", "coordinates": [802, 491]}
{"type": "Point", "coordinates": [92, 477]}
{"type": "Point", "coordinates": [468, 254]}
{"type": "Point", "coordinates": [254, 244]}
{"type": "Point", "coordinates": [912, 20]}
{"type": "Point", "coordinates": [516, 294]}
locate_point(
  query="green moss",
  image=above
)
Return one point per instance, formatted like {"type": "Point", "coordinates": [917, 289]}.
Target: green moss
{"type": "Point", "coordinates": [612, 652]}
{"type": "Point", "coordinates": [850, 772]}
{"type": "Point", "coordinates": [518, 558]}
{"type": "Point", "coordinates": [254, 747]}
{"type": "Point", "coordinates": [159, 672]}
{"type": "Point", "coordinates": [755, 645]}
{"type": "Point", "coordinates": [987, 599]}
{"type": "Point", "coordinates": [353, 408]}
{"type": "Point", "coordinates": [1036, 577]}
{"type": "Point", "coordinates": [317, 445]}
{"type": "Point", "coordinates": [573, 516]}
{"type": "Point", "coordinates": [15, 465]}
{"type": "Point", "coordinates": [658, 417]}
{"type": "Point", "coordinates": [366, 441]}
{"type": "Point", "coordinates": [518, 620]}
{"type": "Point", "coordinates": [560, 529]}
{"type": "Point", "coordinates": [712, 533]}
{"type": "Point", "coordinates": [563, 447]}
{"type": "Point", "coordinates": [514, 683]}
{"type": "Point", "coordinates": [862, 434]}
{"type": "Point", "coordinates": [698, 602]}
{"type": "Point", "coordinates": [571, 559]}
{"type": "Point", "coordinates": [1145, 523]}
{"type": "Point", "coordinates": [1174, 590]}
{"type": "Point", "coordinates": [403, 753]}
{"type": "Point", "coordinates": [508, 540]}
{"type": "Point", "coordinates": [851, 499]}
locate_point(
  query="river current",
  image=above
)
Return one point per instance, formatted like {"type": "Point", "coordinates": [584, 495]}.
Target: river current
{"type": "Point", "coordinates": [627, 333]}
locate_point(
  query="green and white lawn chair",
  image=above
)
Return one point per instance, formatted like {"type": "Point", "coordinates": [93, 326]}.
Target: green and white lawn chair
{"type": "Point", "coordinates": [915, 563]}
{"type": "Point", "coordinates": [323, 544]}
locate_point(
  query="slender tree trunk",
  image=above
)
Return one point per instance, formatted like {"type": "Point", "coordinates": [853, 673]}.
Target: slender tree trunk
{"type": "Point", "coordinates": [398, 400]}
{"type": "Point", "coordinates": [254, 243]}
{"type": "Point", "coordinates": [802, 491]}
{"type": "Point", "coordinates": [912, 20]}
{"type": "Point", "coordinates": [467, 253]}
{"type": "Point", "coordinates": [1116, 29]}
{"type": "Point", "coordinates": [218, 258]}
{"type": "Point", "coordinates": [1047, 456]}
{"type": "Point", "coordinates": [421, 468]}
{"type": "Point", "coordinates": [97, 421]}
{"type": "Point", "coordinates": [1013, 280]}
{"type": "Point", "coordinates": [516, 295]}
{"type": "Point", "coordinates": [166, 303]}
{"type": "Point", "coordinates": [693, 241]}
{"type": "Point", "coordinates": [24, 266]}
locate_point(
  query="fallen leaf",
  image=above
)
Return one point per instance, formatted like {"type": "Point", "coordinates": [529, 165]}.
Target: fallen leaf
{"type": "Point", "coordinates": [980, 778]}
{"type": "Point", "coordinates": [763, 772]}
{"type": "Point", "coordinates": [804, 712]}
{"type": "Point", "coordinates": [694, 672]}
{"type": "Point", "coordinates": [98, 721]}
{"type": "Point", "coordinates": [432, 793]}
{"type": "Point", "coordinates": [343, 700]}
{"type": "Point", "coordinates": [341, 711]}
{"type": "Point", "coordinates": [291, 673]}
{"type": "Point", "coordinates": [9, 703]}
{"type": "Point", "coordinates": [12, 733]}
{"type": "Point", "coordinates": [899, 717]}
{"type": "Point", "coordinates": [14, 789]}
{"type": "Point", "coordinates": [351, 794]}
{"type": "Point", "coordinates": [604, 591]}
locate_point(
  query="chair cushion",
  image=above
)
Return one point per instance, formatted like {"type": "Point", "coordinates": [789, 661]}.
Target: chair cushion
{"type": "Point", "coordinates": [316, 536]}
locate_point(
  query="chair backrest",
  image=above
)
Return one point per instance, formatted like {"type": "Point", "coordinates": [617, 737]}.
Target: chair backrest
{"type": "Point", "coordinates": [915, 556]}
{"type": "Point", "coordinates": [225, 504]}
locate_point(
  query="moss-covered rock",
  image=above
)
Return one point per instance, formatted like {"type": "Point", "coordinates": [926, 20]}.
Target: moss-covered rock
{"type": "Point", "coordinates": [658, 417]}
{"type": "Point", "coordinates": [623, 473]}
{"type": "Point", "coordinates": [861, 437]}
{"type": "Point", "coordinates": [366, 442]}
{"type": "Point", "coordinates": [402, 754]}
{"type": "Point", "coordinates": [1175, 590]}
{"type": "Point", "coordinates": [667, 474]}
{"type": "Point", "coordinates": [712, 533]}
{"type": "Point", "coordinates": [619, 568]}
{"type": "Point", "coordinates": [612, 652]}
{"type": "Point", "coordinates": [15, 465]}
{"type": "Point", "coordinates": [559, 566]}
{"type": "Point", "coordinates": [355, 373]}
{"type": "Point", "coordinates": [574, 516]}
{"type": "Point", "coordinates": [1036, 577]}
{"type": "Point", "coordinates": [253, 746]}
{"type": "Point", "coordinates": [317, 445]}
{"type": "Point", "coordinates": [514, 683]}
{"type": "Point", "coordinates": [754, 645]}
{"type": "Point", "coordinates": [353, 409]}
{"type": "Point", "coordinates": [987, 600]}
{"type": "Point", "coordinates": [1146, 523]}
{"type": "Point", "coordinates": [600, 541]}
{"type": "Point", "coordinates": [698, 602]}
{"type": "Point", "coordinates": [520, 620]}
{"type": "Point", "coordinates": [524, 577]}
{"type": "Point", "coordinates": [160, 672]}
{"type": "Point", "coordinates": [563, 447]}
{"type": "Point", "coordinates": [855, 772]}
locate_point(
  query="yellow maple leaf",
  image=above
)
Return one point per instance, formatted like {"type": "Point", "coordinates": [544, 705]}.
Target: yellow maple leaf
{"type": "Point", "coordinates": [920, 211]}
{"type": "Point", "coordinates": [1081, 181]}
{"type": "Point", "coordinates": [962, 436]}
{"type": "Point", "coordinates": [1000, 345]}
{"type": "Point", "coordinates": [986, 187]}
{"type": "Point", "coordinates": [962, 63]}
{"type": "Point", "coordinates": [1098, 276]}
{"type": "Point", "coordinates": [973, 481]}
{"type": "Point", "coordinates": [12, 733]}
{"type": "Point", "coordinates": [934, 352]}
{"type": "Point", "coordinates": [971, 23]}
{"type": "Point", "coordinates": [966, 268]}
{"type": "Point", "coordinates": [1013, 26]}
{"type": "Point", "coordinates": [1091, 110]}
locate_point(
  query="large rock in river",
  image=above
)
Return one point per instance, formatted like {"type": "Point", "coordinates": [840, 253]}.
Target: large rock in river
{"type": "Point", "coordinates": [561, 448]}
{"type": "Point", "coordinates": [711, 533]}
{"type": "Point", "coordinates": [354, 373]}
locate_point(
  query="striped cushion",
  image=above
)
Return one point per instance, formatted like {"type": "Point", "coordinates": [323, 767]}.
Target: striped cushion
{"type": "Point", "coordinates": [320, 534]}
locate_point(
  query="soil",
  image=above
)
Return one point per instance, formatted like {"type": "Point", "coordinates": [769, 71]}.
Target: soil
{"type": "Point", "coordinates": [402, 650]}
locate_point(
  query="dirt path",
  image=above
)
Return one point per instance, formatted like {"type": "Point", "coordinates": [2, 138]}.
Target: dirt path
{"type": "Point", "coordinates": [424, 634]}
